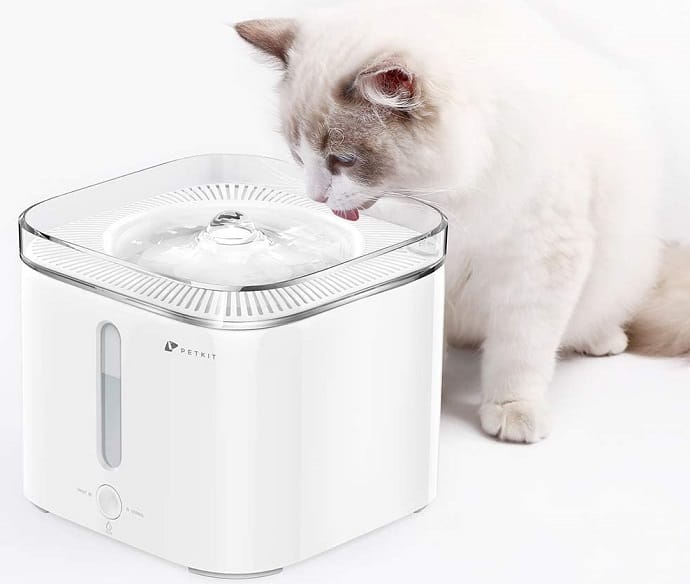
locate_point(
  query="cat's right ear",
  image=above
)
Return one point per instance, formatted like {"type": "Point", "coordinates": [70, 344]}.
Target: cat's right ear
{"type": "Point", "coordinates": [272, 36]}
{"type": "Point", "coordinates": [388, 82]}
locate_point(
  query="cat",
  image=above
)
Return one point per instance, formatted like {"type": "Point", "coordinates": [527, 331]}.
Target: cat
{"type": "Point", "coordinates": [536, 150]}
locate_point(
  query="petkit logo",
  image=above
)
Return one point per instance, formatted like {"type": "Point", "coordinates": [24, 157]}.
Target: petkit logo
{"type": "Point", "coordinates": [173, 347]}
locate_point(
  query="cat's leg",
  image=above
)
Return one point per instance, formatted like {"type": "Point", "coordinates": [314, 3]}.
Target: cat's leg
{"type": "Point", "coordinates": [516, 372]}
{"type": "Point", "coordinates": [520, 350]}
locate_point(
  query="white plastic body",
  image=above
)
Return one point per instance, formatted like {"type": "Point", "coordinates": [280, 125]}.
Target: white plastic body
{"type": "Point", "coordinates": [291, 441]}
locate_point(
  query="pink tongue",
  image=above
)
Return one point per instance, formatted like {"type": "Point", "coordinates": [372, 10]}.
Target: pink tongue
{"type": "Point", "coordinates": [350, 214]}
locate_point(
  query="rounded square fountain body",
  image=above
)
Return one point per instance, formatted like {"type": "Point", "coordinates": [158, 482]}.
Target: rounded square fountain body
{"type": "Point", "coordinates": [218, 371]}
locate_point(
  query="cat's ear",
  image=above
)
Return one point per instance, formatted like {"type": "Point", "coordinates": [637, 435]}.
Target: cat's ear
{"type": "Point", "coordinates": [389, 83]}
{"type": "Point", "coordinates": [273, 36]}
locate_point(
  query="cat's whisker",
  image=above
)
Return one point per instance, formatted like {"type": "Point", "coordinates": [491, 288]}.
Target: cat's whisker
{"type": "Point", "coordinates": [421, 194]}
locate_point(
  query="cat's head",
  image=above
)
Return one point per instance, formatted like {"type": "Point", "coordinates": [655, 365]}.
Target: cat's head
{"type": "Point", "coordinates": [356, 111]}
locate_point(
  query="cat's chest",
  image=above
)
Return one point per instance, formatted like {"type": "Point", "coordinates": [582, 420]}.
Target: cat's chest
{"type": "Point", "coordinates": [474, 282]}
{"type": "Point", "coordinates": [476, 279]}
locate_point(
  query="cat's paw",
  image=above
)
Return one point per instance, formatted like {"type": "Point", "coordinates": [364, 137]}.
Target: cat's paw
{"type": "Point", "coordinates": [516, 421]}
{"type": "Point", "coordinates": [614, 343]}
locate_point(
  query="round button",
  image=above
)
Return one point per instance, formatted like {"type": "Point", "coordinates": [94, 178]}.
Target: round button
{"type": "Point", "coordinates": [109, 501]}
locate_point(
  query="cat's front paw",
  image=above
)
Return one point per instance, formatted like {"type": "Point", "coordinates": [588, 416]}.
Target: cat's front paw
{"type": "Point", "coordinates": [615, 343]}
{"type": "Point", "coordinates": [516, 421]}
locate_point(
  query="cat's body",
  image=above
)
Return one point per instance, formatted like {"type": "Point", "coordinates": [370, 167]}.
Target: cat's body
{"type": "Point", "coordinates": [536, 151]}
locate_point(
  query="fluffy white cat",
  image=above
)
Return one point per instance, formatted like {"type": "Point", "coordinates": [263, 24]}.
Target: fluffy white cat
{"type": "Point", "coordinates": [534, 148]}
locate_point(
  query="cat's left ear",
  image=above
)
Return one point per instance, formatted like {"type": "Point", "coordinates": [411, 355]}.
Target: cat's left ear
{"type": "Point", "coordinates": [273, 36]}
{"type": "Point", "coordinates": [389, 83]}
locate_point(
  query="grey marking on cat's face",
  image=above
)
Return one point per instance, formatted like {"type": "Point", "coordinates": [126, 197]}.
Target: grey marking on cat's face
{"type": "Point", "coordinates": [339, 122]}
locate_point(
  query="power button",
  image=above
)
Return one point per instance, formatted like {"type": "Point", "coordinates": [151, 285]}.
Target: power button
{"type": "Point", "coordinates": [109, 502]}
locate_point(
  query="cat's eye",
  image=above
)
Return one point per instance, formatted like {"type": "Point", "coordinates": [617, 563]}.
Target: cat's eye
{"type": "Point", "coordinates": [335, 163]}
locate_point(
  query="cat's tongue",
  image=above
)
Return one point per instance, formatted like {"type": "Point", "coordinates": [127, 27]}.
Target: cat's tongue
{"type": "Point", "coordinates": [350, 214]}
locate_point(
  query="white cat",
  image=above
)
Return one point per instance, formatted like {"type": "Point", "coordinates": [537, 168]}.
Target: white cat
{"type": "Point", "coordinates": [534, 148]}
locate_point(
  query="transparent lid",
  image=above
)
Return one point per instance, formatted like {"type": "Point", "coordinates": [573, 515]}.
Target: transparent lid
{"type": "Point", "coordinates": [227, 241]}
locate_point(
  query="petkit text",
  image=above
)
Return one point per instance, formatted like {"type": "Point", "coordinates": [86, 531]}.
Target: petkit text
{"type": "Point", "coordinates": [195, 353]}
{"type": "Point", "coordinates": [173, 347]}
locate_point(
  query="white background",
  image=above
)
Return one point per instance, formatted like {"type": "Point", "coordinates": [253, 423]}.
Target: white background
{"type": "Point", "coordinates": [91, 90]}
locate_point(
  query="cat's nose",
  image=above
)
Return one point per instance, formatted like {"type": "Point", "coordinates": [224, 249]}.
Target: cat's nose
{"type": "Point", "coordinates": [320, 197]}
{"type": "Point", "coordinates": [318, 183]}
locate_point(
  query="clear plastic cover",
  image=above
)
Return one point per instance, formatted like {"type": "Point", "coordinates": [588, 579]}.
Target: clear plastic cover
{"type": "Point", "coordinates": [227, 241]}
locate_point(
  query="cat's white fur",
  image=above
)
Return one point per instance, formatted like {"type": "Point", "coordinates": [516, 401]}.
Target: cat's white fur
{"type": "Point", "coordinates": [543, 166]}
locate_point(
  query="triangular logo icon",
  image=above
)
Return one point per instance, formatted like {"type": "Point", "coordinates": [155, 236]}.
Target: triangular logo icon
{"type": "Point", "coordinates": [170, 346]}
